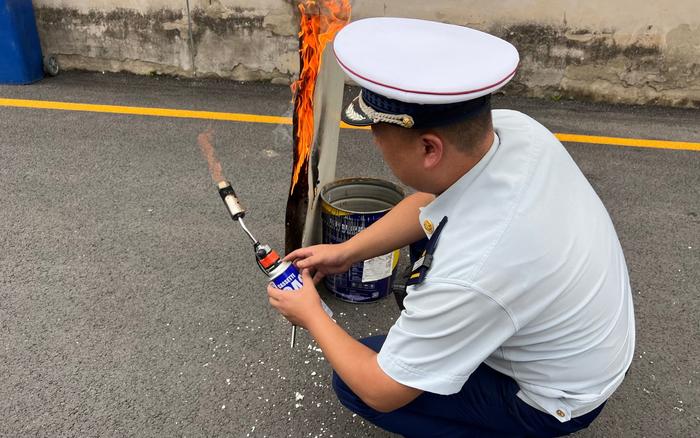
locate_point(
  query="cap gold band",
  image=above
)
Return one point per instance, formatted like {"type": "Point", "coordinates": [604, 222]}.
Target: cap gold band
{"type": "Point", "coordinates": [403, 120]}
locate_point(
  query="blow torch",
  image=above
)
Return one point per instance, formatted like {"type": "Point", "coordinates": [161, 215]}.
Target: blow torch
{"type": "Point", "coordinates": [284, 275]}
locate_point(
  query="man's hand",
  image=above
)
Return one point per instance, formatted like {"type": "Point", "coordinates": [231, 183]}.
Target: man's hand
{"type": "Point", "coordinates": [355, 363]}
{"type": "Point", "coordinates": [323, 259]}
{"type": "Point", "coordinates": [301, 306]}
{"type": "Point", "coordinates": [396, 229]}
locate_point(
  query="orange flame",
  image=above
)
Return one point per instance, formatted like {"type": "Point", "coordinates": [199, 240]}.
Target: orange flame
{"type": "Point", "coordinates": [205, 145]}
{"type": "Point", "coordinates": [320, 21]}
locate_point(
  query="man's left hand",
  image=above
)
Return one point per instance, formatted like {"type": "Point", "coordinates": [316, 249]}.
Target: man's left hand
{"type": "Point", "coordinates": [299, 306]}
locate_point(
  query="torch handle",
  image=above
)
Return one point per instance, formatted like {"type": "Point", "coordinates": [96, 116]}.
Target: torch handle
{"type": "Point", "coordinates": [247, 231]}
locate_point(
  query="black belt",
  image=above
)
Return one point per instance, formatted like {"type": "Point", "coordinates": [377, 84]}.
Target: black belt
{"type": "Point", "coordinates": [417, 273]}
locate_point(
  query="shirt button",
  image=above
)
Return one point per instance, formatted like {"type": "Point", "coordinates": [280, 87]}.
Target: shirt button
{"type": "Point", "coordinates": [428, 226]}
{"type": "Point", "coordinates": [561, 413]}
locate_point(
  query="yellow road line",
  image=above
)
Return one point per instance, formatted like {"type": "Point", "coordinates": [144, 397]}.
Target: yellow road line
{"type": "Point", "coordinates": [257, 118]}
{"type": "Point", "coordinates": [633, 142]}
{"type": "Point", "coordinates": [346, 126]}
{"type": "Point", "coordinates": [145, 111]}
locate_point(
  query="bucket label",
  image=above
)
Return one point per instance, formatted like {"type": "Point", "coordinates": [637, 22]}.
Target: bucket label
{"type": "Point", "coordinates": [377, 268]}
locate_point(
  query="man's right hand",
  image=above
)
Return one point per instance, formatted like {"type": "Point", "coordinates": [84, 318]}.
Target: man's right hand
{"type": "Point", "coordinates": [324, 259]}
{"type": "Point", "coordinates": [398, 228]}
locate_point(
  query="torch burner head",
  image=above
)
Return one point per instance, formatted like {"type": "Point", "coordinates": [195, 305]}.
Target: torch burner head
{"type": "Point", "coordinates": [234, 207]}
{"type": "Point", "coordinates": [228, 195]}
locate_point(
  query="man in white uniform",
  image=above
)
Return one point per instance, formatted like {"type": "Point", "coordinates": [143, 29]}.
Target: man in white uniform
{"type": "Point", "coordinates": [518, 318]}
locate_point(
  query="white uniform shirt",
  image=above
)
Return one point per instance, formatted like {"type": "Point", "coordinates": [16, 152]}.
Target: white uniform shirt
{"type": "Point", "coordinates": [528, 277]}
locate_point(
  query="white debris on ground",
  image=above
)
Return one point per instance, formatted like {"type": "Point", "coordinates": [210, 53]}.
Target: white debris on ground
{"type": "Point", "coordinates": [242, 366]}
{"type": "Point", "coordinates": [311, 347]}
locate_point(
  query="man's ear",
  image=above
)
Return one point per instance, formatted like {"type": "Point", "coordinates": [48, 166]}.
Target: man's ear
{"type": "Point", "coordinates": [433, 149]}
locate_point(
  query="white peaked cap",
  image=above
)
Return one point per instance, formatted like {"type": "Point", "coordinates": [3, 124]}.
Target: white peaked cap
{"type": "Point", "coordinates": [424, 62]}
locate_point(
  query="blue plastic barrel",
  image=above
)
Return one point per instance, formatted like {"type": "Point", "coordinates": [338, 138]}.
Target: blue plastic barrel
{"type": "Point", "coordinates": [20, 51]}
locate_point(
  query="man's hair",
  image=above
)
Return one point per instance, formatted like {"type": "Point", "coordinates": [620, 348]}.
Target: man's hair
{"type": "Point", "coordinates": [469, 132]}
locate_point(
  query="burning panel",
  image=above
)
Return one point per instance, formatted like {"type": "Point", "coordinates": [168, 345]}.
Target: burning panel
{"type": "Point", "coordinates": [317, 104]}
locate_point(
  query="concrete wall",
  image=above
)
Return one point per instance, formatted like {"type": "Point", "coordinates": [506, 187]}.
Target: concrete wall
{"type": "Point", "coordinates": [623, 51]}
{"type": "Point", "coordinates": [238, 39]}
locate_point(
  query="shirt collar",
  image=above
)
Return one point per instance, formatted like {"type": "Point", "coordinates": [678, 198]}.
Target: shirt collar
{"type": "Point", "coordinates": [443, 205]}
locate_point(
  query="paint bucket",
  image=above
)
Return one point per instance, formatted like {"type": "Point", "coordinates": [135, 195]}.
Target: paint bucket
{"type": "Point", "coordinates": [349, 206]}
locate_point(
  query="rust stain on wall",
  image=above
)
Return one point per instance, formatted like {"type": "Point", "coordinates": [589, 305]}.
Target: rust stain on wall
{"type": "Point", "coordinates": [594, 65]}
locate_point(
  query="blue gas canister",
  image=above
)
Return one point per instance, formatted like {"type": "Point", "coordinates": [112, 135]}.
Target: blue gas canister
{"type": "Point", "coordinates": [286, 277]}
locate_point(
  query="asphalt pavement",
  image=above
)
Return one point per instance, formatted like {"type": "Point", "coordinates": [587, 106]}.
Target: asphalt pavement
{"type": "Point", "coordinates": [130, 304]}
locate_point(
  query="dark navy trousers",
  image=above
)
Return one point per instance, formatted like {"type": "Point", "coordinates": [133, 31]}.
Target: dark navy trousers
{"type": "Point", "coordinates": [487, 406]}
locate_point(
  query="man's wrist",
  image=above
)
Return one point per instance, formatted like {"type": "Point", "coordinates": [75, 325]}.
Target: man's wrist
{"type": "Point", "coordinates": [318, 322]}
{"type": "Point", "coordinates": [352, 250]}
